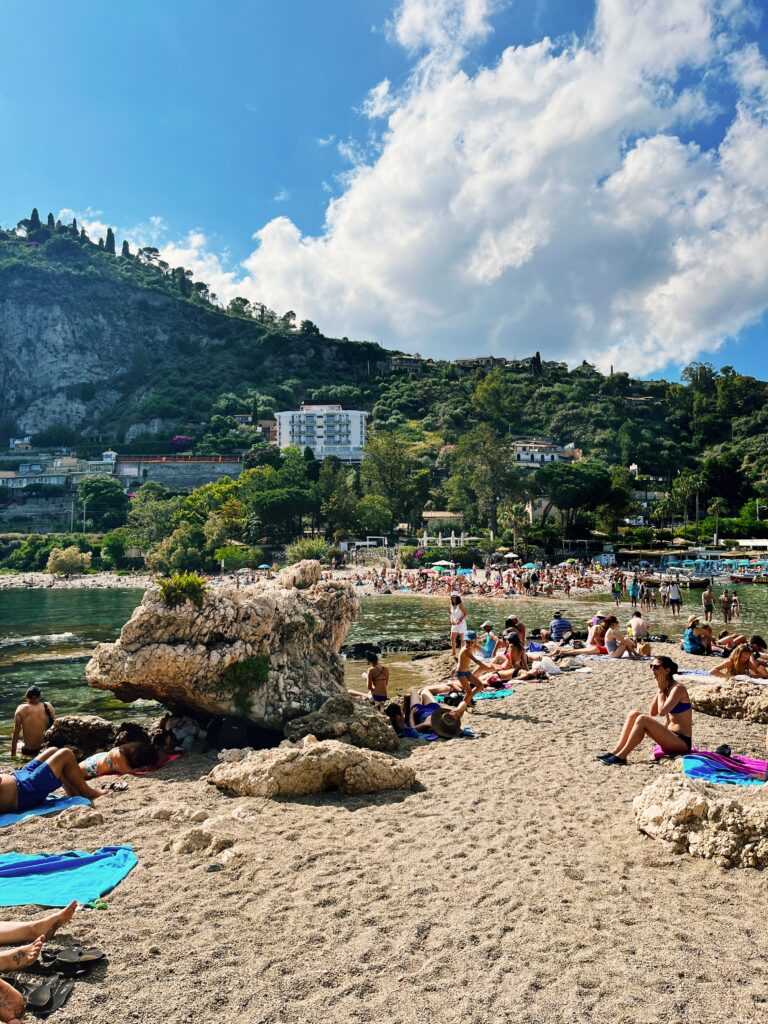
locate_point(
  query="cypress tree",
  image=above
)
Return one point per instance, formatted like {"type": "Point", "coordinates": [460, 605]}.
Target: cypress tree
{"type": "Point", "coordinates": [74, 226]}
{"type": "Point", "coordinates": [34, 221]}
{"type": "Point", "coordinates": [126, 251]}
{"type": "Point", "coordinates": [101, 243]}
{"type": "Point", "coordinates": [83, 236]}
{"type": "Point", "coordinates": [51, 222]}
{"type": "Point", "coordinates": [110, 246]}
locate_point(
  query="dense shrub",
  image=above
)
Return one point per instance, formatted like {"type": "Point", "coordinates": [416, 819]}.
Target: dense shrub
{"type": "Point", "coordinates": [181, 587]}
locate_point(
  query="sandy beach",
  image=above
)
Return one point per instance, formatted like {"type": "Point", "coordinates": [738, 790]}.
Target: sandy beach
{"type": "Point", "coordinates": [511, 885]}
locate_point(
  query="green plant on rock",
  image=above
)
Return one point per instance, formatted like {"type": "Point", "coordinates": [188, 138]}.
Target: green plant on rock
{"type": "Point", "coordinates": [181, 587]}
{"type": "Point", "coordinates": [243, 679]}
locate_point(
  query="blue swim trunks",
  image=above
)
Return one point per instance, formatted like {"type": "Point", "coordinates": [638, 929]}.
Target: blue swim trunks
{"type": "Point", "coordinates": [34, 782]}
{"type": "Point", "coordinates": [421, 712]}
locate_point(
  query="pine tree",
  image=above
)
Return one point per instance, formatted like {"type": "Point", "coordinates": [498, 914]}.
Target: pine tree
{"type": "Point", "coordinates": [34, 221]}
{"type": "Point", "coordinates": [126, 251]}
{"type": "Point", "coordinates": [110, 246]}
{"type": "Point", "coordinates": [51, 222]}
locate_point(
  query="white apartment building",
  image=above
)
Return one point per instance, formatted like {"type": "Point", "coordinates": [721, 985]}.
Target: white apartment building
{"type": "Point", "coordinates": [533, 453]}
{"type": "Point", "coordinates": [326, 429]}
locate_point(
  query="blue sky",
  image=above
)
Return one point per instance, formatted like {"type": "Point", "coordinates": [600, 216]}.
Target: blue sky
{"type": "Point", "coordinates": [226, 119]}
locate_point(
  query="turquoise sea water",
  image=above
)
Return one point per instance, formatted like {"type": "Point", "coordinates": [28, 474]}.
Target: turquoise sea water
{"type": "Point", "coordinates": [46, 636]}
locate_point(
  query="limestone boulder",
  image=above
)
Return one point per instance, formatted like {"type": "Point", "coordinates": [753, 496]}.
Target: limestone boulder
{"type": "Point", "coordinates": [89, 734]}
{"type": "Point", "coordinates": [731, 699]}
{"type": "Point", "coordinates": [727, 824]}
{"type": "Point", "coordinates": [349, 720]}
{"type": "Point", "coordinates": [268, 652]}
{"type": "Point", "coordinates": [312, 766]}
{"type": "Point", "coordinates": [79, 817]}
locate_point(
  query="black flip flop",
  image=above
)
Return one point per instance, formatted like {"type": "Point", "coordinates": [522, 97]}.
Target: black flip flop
{"type": "Point", "coordinates": [72, 959]}
{"type": "Point", "coordinates": [61, 990]}
{"type": "Point", "coordinates": [37, 996]}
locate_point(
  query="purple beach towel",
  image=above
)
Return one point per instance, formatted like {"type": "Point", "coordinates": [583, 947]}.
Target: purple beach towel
{"type": "Point", "coordinates": [746, 765]}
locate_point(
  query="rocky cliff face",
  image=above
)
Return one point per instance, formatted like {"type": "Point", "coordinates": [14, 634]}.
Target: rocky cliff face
{"type": "Point", "coordinates": [268, 652]}
{"type": "Point", "coordinates": [70, 347]}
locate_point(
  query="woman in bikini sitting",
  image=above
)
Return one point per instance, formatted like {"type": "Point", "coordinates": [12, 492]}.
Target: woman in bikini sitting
{"type": "Point", "coordinates": [377, 679]}
{"type": "Point", "coordinates": [616, 643]}
{"type": "Point", "coordinates": [671, 703]}
{"type": "Point", "coordinates": [516, 664]}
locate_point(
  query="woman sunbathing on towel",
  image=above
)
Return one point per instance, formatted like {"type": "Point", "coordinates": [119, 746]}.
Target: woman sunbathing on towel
{"type": "Point", "coordinates": [742, 661]}
{"type": "Point", "coordinates": [22, 957]}
{"type": "Point", "coordinates": [422, 713]}
{"type": "Point", "coordinates": [671, 703]}
{"type": "Point", "coordinates": [123, 760]}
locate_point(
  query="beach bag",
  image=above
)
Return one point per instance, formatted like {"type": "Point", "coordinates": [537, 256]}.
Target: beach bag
{"type": "Point", "coordinates": [644, 650]}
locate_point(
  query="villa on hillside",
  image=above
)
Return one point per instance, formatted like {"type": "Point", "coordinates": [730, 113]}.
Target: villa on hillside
{"type": "Point", "coordinates": [58, 471]}
{"type": "Point", "coordinates": [533, 453]}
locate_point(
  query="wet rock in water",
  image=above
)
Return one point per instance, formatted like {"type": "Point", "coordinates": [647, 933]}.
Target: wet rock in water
{"type": "Point", "coordinates": [357, 651]}
{"type": "Point", "coordinates": [79, 817]}
{"type": "Point", "coordinates": [90, 734]}
{"type": "Point", "coordinates": [312, 767]}
{"type": "Point", "coordinates": [85, 734]}
{"type": "Point", "coordinates": [348, 719]}
{"type": "Point", "coordinates": [267, 652]}
{"type": "Point", "coordinates": [731, 699]}
{"type": "Point", "coordinates": [726, 824]}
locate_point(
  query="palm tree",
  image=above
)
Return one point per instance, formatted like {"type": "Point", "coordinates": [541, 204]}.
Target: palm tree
{"type": "Point", "coordinates": [513, 515]}
{"type": "Point", "coordinates": [717, 507]}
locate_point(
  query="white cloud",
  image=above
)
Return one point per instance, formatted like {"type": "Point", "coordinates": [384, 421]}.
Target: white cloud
{"type": "Point", "coordinates": [281, 196]}
{"type": "Point", "coordinates": [546, 202]}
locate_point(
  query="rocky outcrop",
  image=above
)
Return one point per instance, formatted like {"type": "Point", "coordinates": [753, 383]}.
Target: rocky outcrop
{"type": "Point", "coordinates": [267, 652]}
{"type": "Point", "coordinates": [311, 767]}
{"type": "Point", "coordinates": [348, 719]}
{"type": "Point", "coordinates": [727, 824]}
{"type": "Point", "coordinates": [423, 645]}
{"type": "Point", "coordinates": [729, 699]}
{"type": "Point", "coordinates": [79, 817]}
{"type": "Point", "coordinates": [89, 734]}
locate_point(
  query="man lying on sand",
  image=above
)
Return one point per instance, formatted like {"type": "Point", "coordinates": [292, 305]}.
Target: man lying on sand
{"type": "Point", "coordinates": [29, 786]}
{"type": "Point", "coordinates": [22, 957]}
{"type": "Point", "coordinates": [422, 713]}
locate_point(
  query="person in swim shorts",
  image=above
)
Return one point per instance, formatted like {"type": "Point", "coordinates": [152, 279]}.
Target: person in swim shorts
{"type": "Point", "coordinates": [28, 787]}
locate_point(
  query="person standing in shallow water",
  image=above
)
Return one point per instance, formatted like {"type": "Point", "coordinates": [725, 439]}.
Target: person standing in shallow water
{"type": "Point", "coordinates": [32, 720]}
{"type": "Point", "coordinates": [458, 622]}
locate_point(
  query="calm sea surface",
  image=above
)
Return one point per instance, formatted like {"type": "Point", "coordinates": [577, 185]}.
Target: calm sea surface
{"type": "Point", "coordinates": [46, 637]}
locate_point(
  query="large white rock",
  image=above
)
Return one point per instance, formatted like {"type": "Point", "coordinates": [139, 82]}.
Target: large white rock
{"type": "Point", "coordinates": [731, 699]}
{"type": "Point", "coordinates": [727, 824]}
{"type": "Point", "coordinates": [311, 767]}
{"type": "Point", "coordinates": [284, 639]}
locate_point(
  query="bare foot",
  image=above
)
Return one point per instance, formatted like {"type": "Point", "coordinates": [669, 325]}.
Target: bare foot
{"type": "Point", "coordinates": [22, 957]}
{"type": "Point", "coordinates": [48, 926]}
{"type": "Point", "coordinates": [11, 1003]}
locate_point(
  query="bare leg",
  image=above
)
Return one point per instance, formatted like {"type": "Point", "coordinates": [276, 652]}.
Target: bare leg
{"type": "Point", "coordinates": [626, 730]}
{"type": "Point", "coordinates": [22, 958]}
{"type": "Point", "coordinates": [28, 931]}
{"type": "Point", "coordinates": [65, 767]}
{"type": "Point", "coordinates": [645, 725]}
{"type": "Point", "coordinates": [11, 1003]}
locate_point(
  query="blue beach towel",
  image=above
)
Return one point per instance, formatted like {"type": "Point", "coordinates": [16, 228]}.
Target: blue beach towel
{"type": "Point", "coordinates": [53, 803]}
{"type": "Point", "coordinates": [703, 768]}
{"type": "Point", "coordinates": [483, 695]}
{"type": "Point", "coordinates": [55, 879]}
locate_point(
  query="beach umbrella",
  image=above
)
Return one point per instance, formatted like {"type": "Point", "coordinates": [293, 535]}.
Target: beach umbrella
{"type": "Point", "coordinates": [530, 565]}
{"type": "Point", "coordinates": [443, 564]}
{"type": "Point", "coordinates": [440, 570]}
{"type": "Point", "coordinates": [511, 554]}
{"type": "Point", "coordinates": [570, 560]}
{"type": "Point", "coordinates": [463, 572]}
{"type": "Point", "coordinates": [264, 567]}
{"type": "Point", "coordinates": [429, 572]}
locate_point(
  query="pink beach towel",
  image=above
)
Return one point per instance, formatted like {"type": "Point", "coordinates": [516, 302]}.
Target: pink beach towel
{"type": "Point", "coordinates": [747, 765]}
{"type": "Point", "coordinates": [151, 771]}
